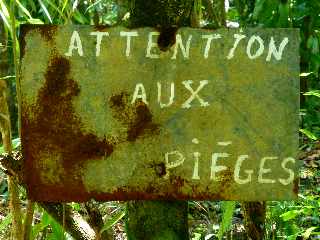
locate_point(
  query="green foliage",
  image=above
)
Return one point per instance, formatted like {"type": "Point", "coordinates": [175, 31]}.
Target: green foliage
{"type": "Point", "coordinates": [47, 227]}
{"type": "Point", "coordinates": [5, 222]}
{"type": "Point", "coordinates": [15, 144]}
{"type": "Point", "coordinates": [112, 220]}
{"type": "Point", "coordinates": [308, 134]}
{"type": "Point", "coordinates": [294, 218]}
{"type": "Point", "coordinates": [228, 209]}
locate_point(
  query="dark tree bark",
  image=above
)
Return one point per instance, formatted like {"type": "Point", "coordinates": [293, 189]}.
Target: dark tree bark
{"type": "Point", "coordinates": [162, 13]}
{"type": "Point", "coordinates": [159, 220]}
{"type": "Point", "coordinates": [255, 216]}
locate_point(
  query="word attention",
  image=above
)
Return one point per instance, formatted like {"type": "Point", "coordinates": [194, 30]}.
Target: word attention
{"type": "Point", "coordinates": [255, 45]}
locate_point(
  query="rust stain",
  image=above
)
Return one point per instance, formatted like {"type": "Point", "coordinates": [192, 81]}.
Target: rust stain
{"type": "Point", "coordinates": [47, 33]}
{"type": "Point", "coordinates": [225, 183]}
{"type": "Point", "coordinates": [55, 128]}
{"type": "Point", "coordinates": [137, 117]}
{"type": "Point", "coordinates": [100, 28]}
{"type": "Point", "coordinates": [296, 186]}
{"type": "Point", "coordinates": [142, 123]}
{"type": "Point", "coordinates": [177, 182]}
{"type": "Point", "coordinates": [24, 29]}
{"type": "Point", "coordinates": [160, 169]}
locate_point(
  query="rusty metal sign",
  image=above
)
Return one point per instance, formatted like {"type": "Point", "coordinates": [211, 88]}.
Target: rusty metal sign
{"type": "Point", "coordinates": [114, 114]}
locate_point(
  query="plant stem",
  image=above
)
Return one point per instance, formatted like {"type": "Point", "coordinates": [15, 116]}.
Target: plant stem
{"type": "Point", "coordinates": [28, 220]}
{"type": "Point", "coordinates": [16, 61]}
{"type": "Point", "coordinates": [5, 127]}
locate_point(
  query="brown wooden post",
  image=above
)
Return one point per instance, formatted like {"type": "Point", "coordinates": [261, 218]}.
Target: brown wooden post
{"type": "Point", "coordinates": [156, 220]}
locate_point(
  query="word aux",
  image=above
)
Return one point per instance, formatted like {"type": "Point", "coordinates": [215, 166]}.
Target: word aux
{"type": "Point", "coordinates": [140, 94]}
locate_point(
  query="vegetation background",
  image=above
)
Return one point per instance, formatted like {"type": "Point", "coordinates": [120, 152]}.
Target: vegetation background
{"type": "Point", "coordinates": [21, 218]}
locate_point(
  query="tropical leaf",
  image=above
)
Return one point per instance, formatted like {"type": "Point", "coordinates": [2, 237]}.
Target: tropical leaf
{"type": "Point", "coordinates": [227, 209]}
{"type": "Point", "coordinates": [5, 222]}
{"type": "Point", "coordinates": [23, 9]}
{"type": "Point", "coordinates": [315, 93]}
{"type": "Point", "coordinates": [4, 13]}
{"type": "Point", "coordinates": [45, 10]}
{"type": "Point", "coordinates": [113, 220]}
{"type": "Point", "coordinates": [308, 232]}
{"type": "Point", "coordinates": [308, 134]}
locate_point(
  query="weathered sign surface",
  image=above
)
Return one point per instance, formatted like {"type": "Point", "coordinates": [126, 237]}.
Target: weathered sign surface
{"type": "Point", "coordinates": [108, 115]}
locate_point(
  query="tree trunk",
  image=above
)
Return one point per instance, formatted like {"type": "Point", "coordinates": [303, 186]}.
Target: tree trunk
{"type": "Point", "coordinates": [159, 220]}
{"type": "Point", "coordinates": [254, 217]}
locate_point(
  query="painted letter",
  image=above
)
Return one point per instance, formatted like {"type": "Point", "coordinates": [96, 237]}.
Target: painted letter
{"type": "Point", "coordinates": [194, 94]}
{"type": "Point", "coordinates": [185, 50]}
{"type": "Point", "coordinates": [237, 168]}
{"type": "Point", "coordinates": [75, 43]}
{"type": "Point", "coordinates": [209, 38]}
{"type": "Point", "coordinates": [196, 166]}
{"type": "Point", "coordinates": [151, 45]}
{"type": "Point", "coordinates": [173, 164]}
{"type": "Point", "coordinates": [128, 35]}
{"type": "Point", "coordinates": [214, 167]}
{"type": "Point", "coordinates": [273, 49]}
{"type": "Point", "coordinates": [260, 50]}
{"type": "Point", "coordinates": [99, 39]}
{"type": "Point", "coordinates": [162, 105]}
{"type": "Point", "coordinates": [265, 170]}
{"type": "Point", "coordinates": [238, 38]}
{"type": "Point", "coordinates": [288, 170]}
{"type": "Point", "coordinates": [139, 88]}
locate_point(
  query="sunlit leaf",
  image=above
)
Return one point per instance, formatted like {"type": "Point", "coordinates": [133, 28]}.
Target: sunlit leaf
{"type": "Point", "coordinates": [35, 21]}
{"type": "Point", "coordinates": [315, 93]}
{"type": "Point", "coordinates": [290, 215]}
{"type": "Point", "coordinates": [92, 5]}
{"type": "Point", "coordinates": [57, 230]}
{"type": "Point", "coordinates": [308, 232]}
{"type": "Point", "coordinates": [5, 222]}
{"type": "Point", "coordinates": [45, 10]}
{"type": "Point", "coordinates": [113, 220]}
{"type": "Point", "coordinates": [64, 5]}
{"type": "Point", "coordinates": [37, 228]}
{"type": "Point", "coordinates": [196, 236]}
{"type": "Point", "coordinates": [15, 143]}
{"type": "Point", "coordinates": [55, 8]}
{"type": "Point", "coordinates": [227, 209]}
{"type": "Point", "coordinates": [5, 15]}
{"type": "Point", "coordinates": [308, 134]}
{"type": "Point", "coordinates": [75, 5]}
{"type": "Point", "coordinates": [305, 74]}
{"type": "Point", "coordinates": [23, 9]}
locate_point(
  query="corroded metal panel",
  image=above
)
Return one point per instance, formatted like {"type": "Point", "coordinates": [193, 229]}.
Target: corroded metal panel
{"type": "Point", "coordinates": [108, 115]}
